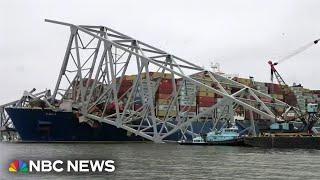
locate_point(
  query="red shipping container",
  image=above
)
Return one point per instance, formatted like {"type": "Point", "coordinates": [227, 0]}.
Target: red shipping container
{"type": "Point", "coordinates": [126, 83]}
{"type": "Point", "coordinates": [112, 106]}
{"type": "Point", "coordinates": [123, 89]}
{"type": "Point", "coordinates": [166, 83]}
{"type": "Point", "coordinates": [206, 104]}
{"type": "Point", "coordinates": [163, 96]}
{"type": "Point", "coordinates": [274, 88]}
{"type": "Point", "coordinates": [205, 99]}
{"type": "Point", "coordinates": [277, 89]}
{"type": "Point", "coordinates": [164, 91]}
{"type": "Point", "coordinates": [165, 86]}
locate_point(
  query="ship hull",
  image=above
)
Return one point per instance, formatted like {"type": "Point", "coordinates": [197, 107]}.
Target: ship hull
{"type": "Point", "coordinates": [47, 125]}
{"type": "Point", "coordinates": [233, 142]}
{"type": "Point", "coordinates": [43, 125]}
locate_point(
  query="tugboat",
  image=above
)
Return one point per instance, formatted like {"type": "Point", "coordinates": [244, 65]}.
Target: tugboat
{"type": "Point", "coordinates": [228, 136]}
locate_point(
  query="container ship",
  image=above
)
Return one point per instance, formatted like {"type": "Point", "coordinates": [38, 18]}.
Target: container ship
{"type": "Point", "coordinates": [41, 123]}
{"type": "Point", "coordinates": [97, 99]}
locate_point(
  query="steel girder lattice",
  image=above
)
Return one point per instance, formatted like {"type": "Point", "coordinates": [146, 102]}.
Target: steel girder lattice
{"type": "Point", "coordinates": [98, 60]}
{"type": "Point", "coordinates": [5, 122]}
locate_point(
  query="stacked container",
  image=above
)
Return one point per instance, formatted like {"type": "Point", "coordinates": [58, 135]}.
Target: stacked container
{"type": "Point", "coordinates": [260, 86]}
{"type": "Point", "coordinates": [142, 90]}
{"type": "Point", "coordinates": [298, 92]}
{"type": "Point", "coordinates": [125, 85]}
{"type": "Point", "coordinates": [187, 98]}
{"type": "Point", "coordinates": [205, 97]}
{"type": "Point", "coordinates": [308, 95]}
{"type": "Point", "coordinates": [243, 81]}
{"type": "Point", "coordinates": [164, 98]}
{"type": "Point", "coordinates": [316, 95]}
{"type": "Point", "coordinates": [193, 99]}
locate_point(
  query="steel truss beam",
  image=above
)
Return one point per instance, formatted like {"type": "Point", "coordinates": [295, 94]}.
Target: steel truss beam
{"type": "Point", "coordinates": [97, 62]}
{"type": "Point", "coordinates": [5, 121]}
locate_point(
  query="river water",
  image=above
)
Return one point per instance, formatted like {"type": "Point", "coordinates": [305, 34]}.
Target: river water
{"type": "Point", "coordinates": [168, 161]}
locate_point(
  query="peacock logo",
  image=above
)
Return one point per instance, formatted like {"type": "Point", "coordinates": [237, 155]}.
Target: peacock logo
{"type": "Point", "coordinates": [18, 166]}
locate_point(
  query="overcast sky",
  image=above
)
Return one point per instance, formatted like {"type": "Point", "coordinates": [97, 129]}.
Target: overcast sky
{"type": "Point", "coordinates": [241, 35]}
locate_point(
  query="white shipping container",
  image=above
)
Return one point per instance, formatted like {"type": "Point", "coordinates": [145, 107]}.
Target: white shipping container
{"type": "Point", "coordinates": [261, 84]}
{"type": "Point", "coordinates": [187, 93]}
{"type": "Point", "coordinates": [187, 97]}
{"type": "Point", "coordinates": [291, 114]}
{"type": "Point", "coordinates": [203, 109]}
{"type": "Point", "coordinates": [186, 82]}
{"type": "Point", "coordinates": [194, 103]}
{"type": "Point", "coordinates": [166, 107]}
{"type": "Point", "coordinates": [188, 114]}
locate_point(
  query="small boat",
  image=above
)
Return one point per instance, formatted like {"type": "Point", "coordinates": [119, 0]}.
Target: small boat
{"type": "Point", "coordinates": [199, 140]}
{"type": "Point", "coordinates": [225, 137]}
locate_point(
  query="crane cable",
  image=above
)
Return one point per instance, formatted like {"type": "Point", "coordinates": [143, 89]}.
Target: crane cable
{"type": "Point", "coordinates": [303, 48]}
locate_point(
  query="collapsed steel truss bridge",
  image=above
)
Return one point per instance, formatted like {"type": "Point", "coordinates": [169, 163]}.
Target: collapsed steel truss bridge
{"type": "Point", "coordinates": [97, 60]}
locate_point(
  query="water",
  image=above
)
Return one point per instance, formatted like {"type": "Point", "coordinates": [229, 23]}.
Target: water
{"type": "Point", "coordinates": [170, 161]}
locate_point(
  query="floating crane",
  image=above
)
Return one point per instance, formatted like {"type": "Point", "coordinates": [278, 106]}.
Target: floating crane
{"type": "Point", "coordinates": [288, 95]}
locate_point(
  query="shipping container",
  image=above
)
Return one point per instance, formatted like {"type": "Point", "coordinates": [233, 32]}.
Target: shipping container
{"type": "Point", "coordinates": [204, 89]}
{"type": "Point", "coordinates": [152, 75]}
{"type": "Point", "coordinates": [162, 113]}
{"type": "Point", "coordinates": [205, 99]}
{"type": "Point", "coordinates": [130, 77]}
{"type": "Point", "coordinates": [166, 107]}
{"type": "Point", "coordinates": [208, 94]}
{"type": "Point", "coordinates": [205, 110]}
{"type": "Point", "coordinates": [163, 96]}
{"type": "Point", "coordinates": [206, 104]}
{"type": "Point", "coordinates": [188, 114]}
{"type": "Point", "coordinates": [165, 86]}
{"type": "Point", "coordinates": [274, 88]}
{"type": "Point", "coordinates": [188, 108]}
{"type": "Point", "coordinates": [243, 81]}
{"type": "Point", "coordinates": [188, 103]}
{"type": "Point", "coordinates": [163, 101]}
{"type": "Point", "coordinates": [156, 75]}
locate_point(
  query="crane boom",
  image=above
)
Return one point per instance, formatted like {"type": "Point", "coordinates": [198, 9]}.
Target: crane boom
{"type": "Point", "coordinates": [280, 80]}
{"type": "Point", "coordinates": [298, 51]}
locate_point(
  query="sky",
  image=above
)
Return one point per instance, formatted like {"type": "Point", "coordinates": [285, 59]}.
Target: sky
{"type": "Point", "coordinates": [240, 35]}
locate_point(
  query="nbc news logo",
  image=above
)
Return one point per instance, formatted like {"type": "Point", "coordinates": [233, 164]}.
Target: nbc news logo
{"type": "Point", "coordinates": [18, 166]}
{"type": "Point", "coordinates": [21, 166]}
